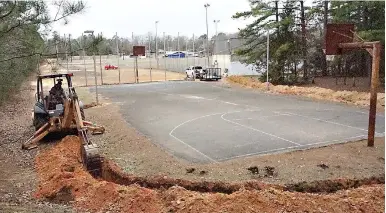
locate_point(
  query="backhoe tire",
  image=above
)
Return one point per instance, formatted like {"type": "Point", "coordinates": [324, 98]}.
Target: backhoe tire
{"type": "Point", "coordinates": [82, 114]}
{"type": "Point", "coordinates": [39, 121]}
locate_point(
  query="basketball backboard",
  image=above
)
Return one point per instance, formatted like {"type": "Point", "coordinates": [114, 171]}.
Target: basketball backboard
{"type": "Point", "coordinates": [138, 50]}
{"type": "Point", "coordinates": [336, 34]}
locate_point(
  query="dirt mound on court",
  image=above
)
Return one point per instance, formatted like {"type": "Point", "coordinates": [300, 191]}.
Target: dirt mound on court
{"type": "Point", "coordinates": [63, 179]}
{"type": "Point", "coordinates": [351, 97]}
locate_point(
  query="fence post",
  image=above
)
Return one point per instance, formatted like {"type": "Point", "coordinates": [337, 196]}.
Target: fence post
{"type": "Point", "coordinates": [150, 68]}
{"type": "Point", "coordinates": [100, 65]}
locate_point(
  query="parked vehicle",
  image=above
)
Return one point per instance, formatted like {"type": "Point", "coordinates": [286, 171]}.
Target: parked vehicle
{"type": "Point", "coordinates": [211, 74]}
{"type": "Point", "coordinates": [110, 67]}
{"type": "Point", "coordinates": [196, 71]}
{"type": "Point", "coordinates": [190, 73]}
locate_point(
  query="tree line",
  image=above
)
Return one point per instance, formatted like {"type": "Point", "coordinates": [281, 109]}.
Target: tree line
{"type": "Point", "coordinates": [23, 28]}
{"type": "Point", "coordinates": [124, 45]}
{"type": "Point", "coordinates": [297, 38]}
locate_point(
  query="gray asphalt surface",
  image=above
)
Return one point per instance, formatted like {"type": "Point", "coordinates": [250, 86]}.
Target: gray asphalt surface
{"type": "Point", "coordinates": [206, 122]}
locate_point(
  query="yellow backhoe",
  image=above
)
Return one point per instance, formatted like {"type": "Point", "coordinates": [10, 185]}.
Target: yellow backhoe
{"type": "Point", "coordinates": [64, 114]}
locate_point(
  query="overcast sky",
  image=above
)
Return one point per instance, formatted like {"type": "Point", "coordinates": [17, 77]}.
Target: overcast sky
{"type": "Point", "coordinates": [139, 16]}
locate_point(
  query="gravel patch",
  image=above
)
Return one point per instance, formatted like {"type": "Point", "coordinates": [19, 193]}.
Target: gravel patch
{"type": "Point", "coordinates": [17, 177]}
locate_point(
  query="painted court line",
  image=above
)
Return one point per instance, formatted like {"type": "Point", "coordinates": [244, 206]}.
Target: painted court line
{"type": "Point", "coordinates": [367, 113]}
{"type": "Point", "coordinates": [269, 116]}
{"type": "Point", "coordinates": [290, 147]}
{"type": "Point", "coordinates": [226, 102]}
{"type": "Point", "coordinates": [317, 119]}
{"type": "Point", "coordinates": [257, 130]}
{"type": "Point", "coordinates": [181, 141]}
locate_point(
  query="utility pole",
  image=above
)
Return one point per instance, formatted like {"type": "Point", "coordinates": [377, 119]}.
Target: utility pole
{"type": "Point", "coordinates": [119, 68]}
{"type": "Point", "coordinates": [277, 15]}
{"type": "Point", "coordinates": [267, 59]}
{"type": "Point", "coordinates": [324, 35]}
{"type": "Point", "coordinates": [207, 31]}
{"type": "Point", "coordinates": [84, 59]}
{"type": "Point", "coordinates": [304, 45]}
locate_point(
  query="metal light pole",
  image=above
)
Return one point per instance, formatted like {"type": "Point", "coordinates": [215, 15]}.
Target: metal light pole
{"type": "Point", "coordinates": [134, 63]}
{"type": "Point", "coordinates": [267, 58]}
{"type": "Point", "coordinates": [178, 50]}
{"type": "Point", "coordinates": [164, 54]}
{"type": "Point", "coordinates": [207, 31]}
{"type": "Point", "coordinates": [65, 49]}
{"type": "Point", "coordinates": [186, 54]}
{"type": "Point", "coordinates": [164, 43]}
{"type": "Point", "coordinates": [150, 54]}
{"type": "Point", "coordinates": [194, 57]}
{"type": "Point", "coordinates": [119, 68]}
{"type": "Point", "coordinates": [69, 43]}
{"type": "Point", "coordinates": [215, 26]}
{"type": "Point", "coordinates": [84, 60]}
{"type": "Point", "coordinates": [156, 42]}
{"type": "Point", "coordinates": [100, 67]}
{"type": "Point", "coordinates": [216, 39]}
{"type": "Point", "coordinates": [95, 73]}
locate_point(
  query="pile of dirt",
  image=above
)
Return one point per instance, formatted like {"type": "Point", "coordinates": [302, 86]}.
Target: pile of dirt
{"type": "Point", "coordinates": [111, 172]}
{"type": "Point", "coordinates": [328, 186]}
{"type": "Point", "coordinates": [92, 104]}
{"type": "Point", "coordinates": [351, 97]}
{"type": "Point", "coordinates": [63, 179]}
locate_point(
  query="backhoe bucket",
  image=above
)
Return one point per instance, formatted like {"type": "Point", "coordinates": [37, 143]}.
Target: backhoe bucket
{"type": "Point", "coordinates": [91, 159]}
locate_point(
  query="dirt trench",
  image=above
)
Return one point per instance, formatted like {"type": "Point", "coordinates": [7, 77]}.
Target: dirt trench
{"type": "Point", "coordinates": [63, 179]}
{"type": "Point", "coordinates": [112, 173]}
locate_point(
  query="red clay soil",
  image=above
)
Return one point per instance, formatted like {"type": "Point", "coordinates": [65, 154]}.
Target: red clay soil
{"type": "Point", "coordinates": [92, 104]}
{"type": "Point", "coordinates": [63, 179]}
{"type": "Point", "coordinates": [111, 172]}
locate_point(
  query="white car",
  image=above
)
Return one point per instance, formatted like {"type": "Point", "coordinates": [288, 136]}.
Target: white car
{"type": "Point", "coordinates": [194, 71]}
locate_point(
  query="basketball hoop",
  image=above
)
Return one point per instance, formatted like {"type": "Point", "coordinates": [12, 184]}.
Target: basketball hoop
{"type": "Point", "coordinates": [138, 50]}
{"type": "Point", "coordinates": [340, 39]}
{"type": "Point", "coordinates": [336, 34]}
